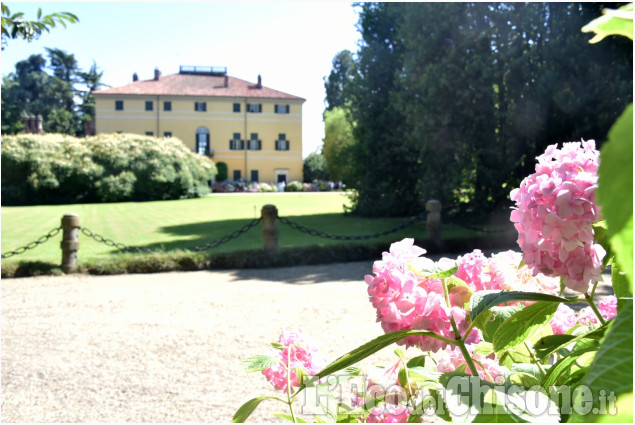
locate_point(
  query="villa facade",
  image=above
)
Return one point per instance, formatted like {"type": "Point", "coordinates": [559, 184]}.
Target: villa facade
{"type": "Point", "coordinates": [255, 130]}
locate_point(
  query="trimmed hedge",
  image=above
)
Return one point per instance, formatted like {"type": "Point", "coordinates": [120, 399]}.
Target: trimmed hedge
{"type": "Point", "coordinates": [56, 168]}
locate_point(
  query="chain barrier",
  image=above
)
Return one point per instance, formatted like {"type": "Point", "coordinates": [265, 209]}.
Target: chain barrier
{"type": "Point", "coordinates": [213, 244]}
{"type": "Point", "coordinates": [123, 247]}
{"type": "Point", "coordinates": [317, 233]}
{"type": "Point", "coordinates": [33, 244]}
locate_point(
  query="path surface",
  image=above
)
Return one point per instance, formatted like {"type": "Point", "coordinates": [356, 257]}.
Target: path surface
{"type": "Point", "coordinates": [166, 347]}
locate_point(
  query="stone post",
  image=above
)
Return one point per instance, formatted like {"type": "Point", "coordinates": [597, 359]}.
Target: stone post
{"type": "Point", "coordinates": [269, 214]}
{"type": "Point", "coordinates": [434, 221]}
{"type": "Point", "coordinates": [70, 244]}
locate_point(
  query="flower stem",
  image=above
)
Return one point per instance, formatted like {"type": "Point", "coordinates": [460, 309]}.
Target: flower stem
{"type": "Point", "coordinates": [534, 358]}
{"type": "Point", "coordinates": [289, 401]}
{"type": "Point", "coordinates": [589, 299]}
{"type": "Point", "coordinates": [466, 356]}
{"type": "Point", "coordinates": [460, 341]}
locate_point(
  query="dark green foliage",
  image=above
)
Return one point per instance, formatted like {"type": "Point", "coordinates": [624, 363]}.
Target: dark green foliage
{"type": "Point", "coordinates": [64, 99]}
{"type": "Point", "coordinates": [296, 256]}
{"type": "Point", "coordinates": [453, 101]}
{"type": "Point", "coordinates": [109, 168]}
{"type": "Point", "coordinates": [338, 82]}
{"type": "Point", "coordinates": [222, 171]}
{"type": "Point", "coordinates": [314, 168]}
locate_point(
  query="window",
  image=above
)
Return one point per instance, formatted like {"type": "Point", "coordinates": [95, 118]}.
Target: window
{"type": "Point", "coordinates": [236, 107]}
{"type": "Point", "coordinates": [200, 106]}
{"type": "Point", "coordinates": [281, 109]}
{"type": "Point", "coordinates": [282, 144]}
{"type": "Point", "coordinates": [149, 133]}
{"type": "Point", "coordinates": [149, 105]}
{"type": "Point", "coordinates": [236, 143]}
{"type": "Point", "coordinates": [167, 134]}
{"type": "Point", "coordinates": [254, 175]}
{"type": "Point", "coordinates": [167, 106]}
{"type": "Point", "coordinates": [118, 105]}
{"type": "Point", "coordinates": [254, 143]}
{"type": "Point", "coordinates": [254, 107]}
{"type": "Point", "coordinates": [236, 174]}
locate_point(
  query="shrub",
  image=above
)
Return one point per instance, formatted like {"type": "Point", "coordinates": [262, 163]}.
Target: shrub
{"type": "Point", "coordinates": [294, 186]}
{"type": "Point", "coordinates": [54, 168]}
{"type": "Point", "coordinates": [222, 171]}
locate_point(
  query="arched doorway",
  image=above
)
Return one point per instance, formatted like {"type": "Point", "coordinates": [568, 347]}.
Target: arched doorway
{"type": "Point", "coordinates": [202, 141]}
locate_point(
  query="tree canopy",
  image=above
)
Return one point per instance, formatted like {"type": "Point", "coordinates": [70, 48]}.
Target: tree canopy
{"type": "Point", "coordinates": [453, 101]}
{"type": "Point", "coordinates": [63, 99]}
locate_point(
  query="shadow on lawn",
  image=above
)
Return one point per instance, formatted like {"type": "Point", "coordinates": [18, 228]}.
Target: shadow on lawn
{"type": "Point", "coordinates": [191, 235]}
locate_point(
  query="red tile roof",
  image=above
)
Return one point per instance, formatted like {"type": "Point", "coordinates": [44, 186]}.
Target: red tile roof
{"type": "Point", "coordinates": [198, 85]}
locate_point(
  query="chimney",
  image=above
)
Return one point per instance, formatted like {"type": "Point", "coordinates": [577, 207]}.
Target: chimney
{"type": "Point", "coordinates": [259, 85]}
{"type": "Point", "coordinates": [157, 74]}
{"type": "Point", "coordinates": [226, 81]}
{"type": "Point", "coordinates": [135, 77]}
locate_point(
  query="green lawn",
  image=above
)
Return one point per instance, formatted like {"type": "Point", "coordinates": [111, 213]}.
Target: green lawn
{"type": "Point", "coordinates": [190, 222]}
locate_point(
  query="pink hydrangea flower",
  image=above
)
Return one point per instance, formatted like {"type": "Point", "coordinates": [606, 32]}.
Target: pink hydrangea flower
{"type": "Point", "coordinates": [389, 414]}
{"type": "Point", "coordinates": [473, 270]}
{"type": "Point", "coordinates": [555, 208]}
{"type": "Point", "coordinates": [406, 301]}
{"type": "Point", "coordinates": [299, 352]}
{"type": "Point", "coordinates": [487, 366]}
{"type": "Point", "coordinates": [506, 275]}
{"type": "Point", "coordinates": [564, 319]}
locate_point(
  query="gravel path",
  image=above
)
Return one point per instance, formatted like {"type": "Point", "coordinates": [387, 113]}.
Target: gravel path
{"type": "Point", "coordinates": [167, 347]}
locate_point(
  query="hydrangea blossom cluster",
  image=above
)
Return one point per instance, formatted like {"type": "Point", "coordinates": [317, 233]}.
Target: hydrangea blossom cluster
{"type": "Point", "coordinates": [384, 382]}
{"type": "Point", "coordinates": [565, 317]}
{"type": "Point", "coordinates": [487, 366]}
{"type": "Point", "coordinates": [508, 276]}
{"type": "Point", "coordinates": [555, 209]}
{"type": "Point", "coordinates": [405, 300]}
{"type": "Point", "coordinates": [299, 352]}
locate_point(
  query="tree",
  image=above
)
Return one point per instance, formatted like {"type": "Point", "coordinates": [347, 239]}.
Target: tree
{"type": "Point", "coordinates": [453, 101]}
{"type": "Point", "coordinates": [314, 168]}
{"type": "Point", "coordinates": [15, 26]}
{"type": "Point", "coordinates": [338, 140]}
{"type": "Point", "coordinates": [32, 91]}
{"type": "Point", "coordinates": [89, 82]}
{"type": "Point", "coordinates": [337, 84]}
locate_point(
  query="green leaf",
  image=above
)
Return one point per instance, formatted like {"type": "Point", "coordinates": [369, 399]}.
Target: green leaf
{"type": "Point", "coordinates": [497, 317]}
{"type": "Point", "coordinates": [483, 348]}
{"type": "Point", "coordinates": [429, 269]}
{"type": "Point", "coordinates": [288, 417]}
{"type": "Point", "coordinates": [523, 325]}
{"type": "Point", "coordinates": [615, 190]}
{"type": "Point", "coordinates": [366, 350]}
{"type": "Point", "coordinates": [248, 408]}
{"type": "Point", "coordinates": [484, 300]}
{"type": "Point", "coordinates": [613, 22]}
{"type": "Point", "coordinates": [621, 286]}
{"type": "Point", "coordinates": [399, 352]}
{"type": "Point", "coordinates": [565, 366]}
{"type": "Point", "coordinates": [527, 368]}
{"type": "Point", "coordinates": [417, 361]}
{"type": "Point", "coordinates": [258, 363]}
{"type": "Point", "coordinates": [277, 345]}
{"type": "Point", "coordinates": [550, 344]}
{"type": "Point", "coordinates": [523, 379]}
{"type": "Point", "coordinates": [612, 368]}
{"type": "Point", "coordinates": [460, 293]}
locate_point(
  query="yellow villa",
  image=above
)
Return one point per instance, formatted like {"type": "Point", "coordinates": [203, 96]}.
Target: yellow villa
{"type": "Point", "coordinates": [255, 130]}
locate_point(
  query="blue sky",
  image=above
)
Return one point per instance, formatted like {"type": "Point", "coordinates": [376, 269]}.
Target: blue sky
{"type": "Point", "coordinates": [290, 43]}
